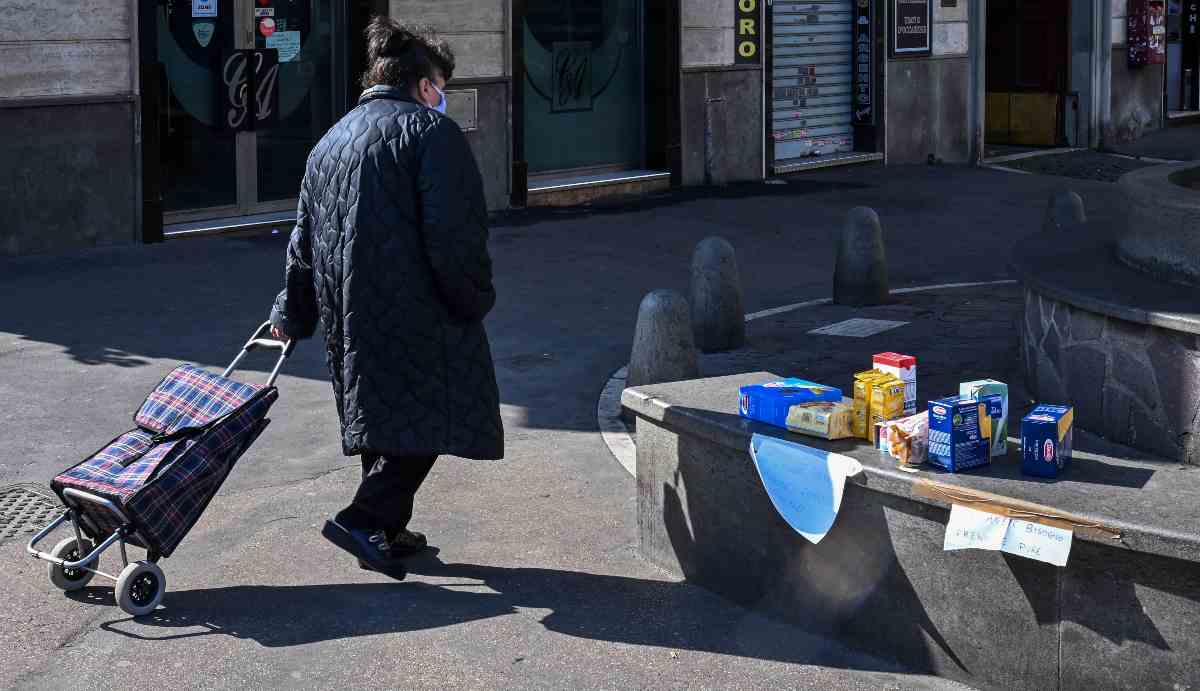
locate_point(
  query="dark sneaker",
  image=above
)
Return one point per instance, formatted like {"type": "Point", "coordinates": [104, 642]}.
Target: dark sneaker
{"type": "Point", "coordinates": [404, 544]}
{"type": "Point", "coordinates": [407, 543]}
{"type": "Point", "coordinates": [370, 546]}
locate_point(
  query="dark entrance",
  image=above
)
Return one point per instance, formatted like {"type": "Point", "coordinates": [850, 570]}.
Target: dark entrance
{"type": "Point", "coordinates": [1028, 62]}
{"type": "Point", "coordinates": [595, 88]}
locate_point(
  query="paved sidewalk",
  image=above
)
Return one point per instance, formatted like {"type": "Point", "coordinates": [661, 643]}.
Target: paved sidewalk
{"type": "Point", "coordinates": [1173, 143]}
{"type": "Point", "coordinates": [537, 584]}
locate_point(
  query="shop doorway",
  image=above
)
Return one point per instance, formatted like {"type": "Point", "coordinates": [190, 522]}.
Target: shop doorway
{"type": "Point", "coordinates": [1028, 66]}
{"type": "Point", "coordinates": [243, 89]}
{"type": "Point", "coordinates": [595, 98]}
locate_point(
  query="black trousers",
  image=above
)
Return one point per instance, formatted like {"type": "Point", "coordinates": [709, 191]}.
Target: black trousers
{"type": "Point", "coordinates": [384, 499]}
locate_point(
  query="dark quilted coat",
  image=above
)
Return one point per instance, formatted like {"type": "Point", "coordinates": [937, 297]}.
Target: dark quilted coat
{"type": "Point", "coordinates": [390, 252]}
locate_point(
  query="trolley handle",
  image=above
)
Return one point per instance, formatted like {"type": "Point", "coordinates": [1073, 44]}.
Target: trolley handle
{"type": "Point", "coordinates": [258, 341]}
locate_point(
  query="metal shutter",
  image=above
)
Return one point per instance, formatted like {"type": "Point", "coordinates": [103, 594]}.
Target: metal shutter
{"type": "Point", "coordinates": [812, 78]}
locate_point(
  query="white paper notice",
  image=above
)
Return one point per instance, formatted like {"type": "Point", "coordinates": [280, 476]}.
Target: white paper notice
{"type": "Point", "coordinates": [287, 43]}
{"type": "Point", "coordinates": [1036, 541]}
{"type": "Point", "coordinates": [204, 8]}
{"type": "Point", "coordinates": [804, 484]}
{"type": "Point", "coordinates": [971, 529]}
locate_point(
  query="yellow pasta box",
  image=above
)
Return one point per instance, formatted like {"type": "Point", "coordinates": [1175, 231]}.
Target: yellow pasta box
{"type": "Point", "coordinates": [862, 401]}
{"type": "Point", "coordinates": [886, 403]}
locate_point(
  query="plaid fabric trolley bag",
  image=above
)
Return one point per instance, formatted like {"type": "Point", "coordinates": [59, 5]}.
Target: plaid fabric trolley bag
{"type": "Point", "coordinates": [150, 485]}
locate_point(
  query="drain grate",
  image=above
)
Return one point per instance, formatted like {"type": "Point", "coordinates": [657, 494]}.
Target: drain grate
{"type": "Point", "coordinates": [24, 511]}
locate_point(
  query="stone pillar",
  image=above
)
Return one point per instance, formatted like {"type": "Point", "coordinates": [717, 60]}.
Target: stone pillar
{"type": "Point", "coordinates": [663, 348]}
{"type": "Point", "coordinates": [718, 321]}
{"type": "Point", "coordinates": [1064, 211]}
{"type": "Point", "coordinates": [860, 274]}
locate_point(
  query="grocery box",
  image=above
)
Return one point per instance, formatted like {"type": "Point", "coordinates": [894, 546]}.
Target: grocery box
{"type": "Point", "coordinates": [958, 433]}
{"type": "Point", "coordinates": [1047, 434]}
{"type": "Point", "coordinates": [886, 403]}
{"type": "Point", "coordinates": [824, 420]}
{"type": "Point", "coordinates": [862, 401]}
{"type": "Point", "coordinates": [772, 402]}
{"type": "Point", "coordinates": [990, 387]}
{"type": "Point", "coordinates": [904, 368]}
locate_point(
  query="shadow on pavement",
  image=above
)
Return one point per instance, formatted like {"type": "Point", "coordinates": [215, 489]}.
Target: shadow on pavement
{"type": "Point", "coordinates": [592, 606]}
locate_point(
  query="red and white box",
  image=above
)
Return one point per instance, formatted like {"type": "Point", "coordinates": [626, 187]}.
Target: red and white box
{"type": "Point", "coordinates": [904, 368]}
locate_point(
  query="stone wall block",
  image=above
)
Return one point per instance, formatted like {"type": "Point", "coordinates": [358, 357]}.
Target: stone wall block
{"type": "Point", "coordinates": [1136, 377]}
{"type": "Point", "coordinates": [1049, 383]}
{"type": "Point", "coordinates": [1085, 326]}
{"type": "Point", "coordinates": [1085, 375]}
{"type": "Point", "coordinates": [1118, 408]}
{"type": "Point", "coordinates": [1177, 375]}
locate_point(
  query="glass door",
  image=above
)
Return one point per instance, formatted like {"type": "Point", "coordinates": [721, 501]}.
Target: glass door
{"type": "Point", "coordinates": [584, 69]}
{"type": "Point", "coordinates": [248, 89]}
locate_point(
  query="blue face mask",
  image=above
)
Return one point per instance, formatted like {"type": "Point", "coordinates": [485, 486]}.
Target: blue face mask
{"type": "Point", "coordinates": [441, 106]}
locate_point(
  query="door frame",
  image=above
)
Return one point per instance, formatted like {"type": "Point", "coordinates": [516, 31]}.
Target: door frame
{"type": "Point", "coordinates": [154, 214]}
{"type": "Point", "coordinates": [668, 149]}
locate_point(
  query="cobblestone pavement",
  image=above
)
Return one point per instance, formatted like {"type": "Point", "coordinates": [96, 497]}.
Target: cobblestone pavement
{"type": "Point", "coordinates": [1081, 165]}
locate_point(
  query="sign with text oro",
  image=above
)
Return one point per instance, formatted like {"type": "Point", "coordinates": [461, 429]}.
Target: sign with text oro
{"type": "Point", "coordinates": [911, 24]}
{"type": "Point", "coordinates": [746, 33]}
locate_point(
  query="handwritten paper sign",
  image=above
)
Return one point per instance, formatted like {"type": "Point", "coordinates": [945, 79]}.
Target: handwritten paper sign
{"type": "Point", "coordinates": [805, 484]}
{"type": "Point", "coordinates": [972, 529]}
{"type": "Point", "coordinates": [1036, 541]}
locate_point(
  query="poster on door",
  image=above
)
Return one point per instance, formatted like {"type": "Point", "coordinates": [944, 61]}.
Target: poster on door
{"type": "Point", "coordinates": [204, 8]}
{"type": "Point", "coordinates": [911, 34]}
{"type": "Point", "coordinates": [864, 65]}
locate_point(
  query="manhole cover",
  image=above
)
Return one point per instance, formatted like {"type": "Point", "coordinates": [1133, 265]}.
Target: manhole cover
{"type": "Point", "coordinates": [24, 512]}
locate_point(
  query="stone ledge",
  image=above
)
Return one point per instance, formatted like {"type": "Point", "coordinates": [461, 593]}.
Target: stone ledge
{"type": "Point", "coordinates": [1154, 504]}
{"type": "Point", "coordinates": [1088, 275]}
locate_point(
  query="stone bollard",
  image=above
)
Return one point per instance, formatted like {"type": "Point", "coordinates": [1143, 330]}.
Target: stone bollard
{"type": "Point", "coordinates": [1064, 210]}
{"type": "Point", "coordinates": [718, 321]}
{"type": "Point", "coordinates": [663, 349]}
{"type": "Point", "coordinates": [860, 274]}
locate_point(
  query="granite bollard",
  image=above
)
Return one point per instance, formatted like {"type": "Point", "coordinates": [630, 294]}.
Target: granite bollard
{"type": "Point", "coordinates": [860, 274]}
{"type": "Point", "coordinates": [1064, 210]}
{"type": "Point", "coordinates": [663, 345]}
{"type": "Point", "coordinates": [718, 321]}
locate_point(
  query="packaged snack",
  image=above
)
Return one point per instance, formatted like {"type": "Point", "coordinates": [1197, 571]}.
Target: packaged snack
{"type": "Point", "coordinates": [824, 420]}
{"type": "Point", "coordinates": [990, 387]}
{"type": "Point", "coordinates": [908, 439]}
{"type": "Point", "coordinates": [772, 402]}
{"type": "Point", "coordinates": [1047, 435]}
{"type": "Point", "coordinates": [904, 368]}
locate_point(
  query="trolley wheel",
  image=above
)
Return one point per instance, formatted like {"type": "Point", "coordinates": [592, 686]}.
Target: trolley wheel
{"type": "Point", "coordinates": [140, 588]}
{"type": "Point", "coordinates": [71, 549]}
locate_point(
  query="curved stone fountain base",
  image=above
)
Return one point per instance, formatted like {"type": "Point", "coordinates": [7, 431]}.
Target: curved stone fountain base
{"type": "Point", "coordinates": [1161, 235]}
{"type": "Point", "coordinates": [1120, 346]}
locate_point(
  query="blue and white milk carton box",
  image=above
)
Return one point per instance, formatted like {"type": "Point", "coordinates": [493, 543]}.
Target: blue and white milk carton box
{"type": "Point", "coordinates": [771, 402]}
{"type": "Point", "coordinates": [959, 432]}
{"type": "Point", "coordinates": [1047, 434]}
{"type": "Point", "coordinates": [991, 387]}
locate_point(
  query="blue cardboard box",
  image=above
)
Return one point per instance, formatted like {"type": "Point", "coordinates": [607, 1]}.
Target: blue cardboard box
{"type": "Point", "coordinates": [1047, 434]}
{"type": "Point", "coordinates": [960, 432]}
{"type": "Point", "coordinates": [771, 402]}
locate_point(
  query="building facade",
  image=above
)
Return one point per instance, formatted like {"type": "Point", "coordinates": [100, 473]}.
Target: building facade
{"type": "Point", "coordinates": [124, 120]}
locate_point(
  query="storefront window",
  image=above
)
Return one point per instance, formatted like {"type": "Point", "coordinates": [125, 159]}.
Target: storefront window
{"type": "Point", "coordinates": [583, 84]}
